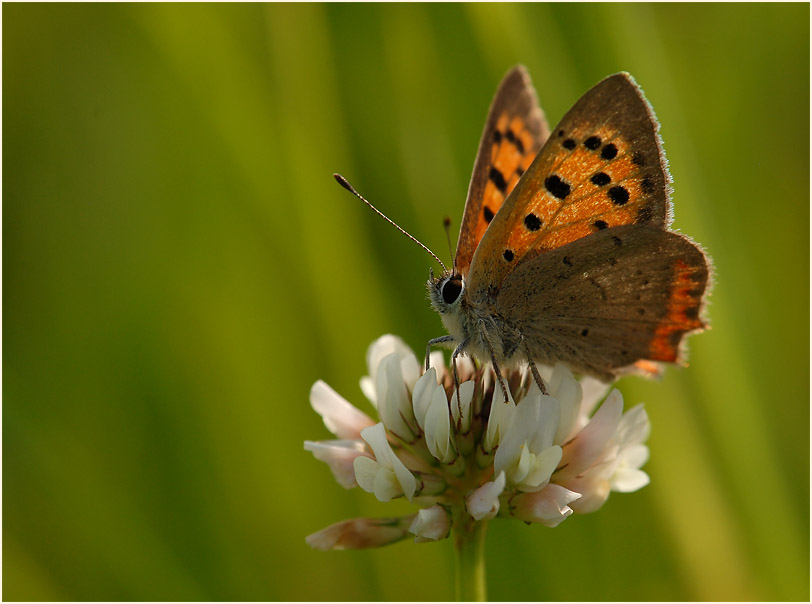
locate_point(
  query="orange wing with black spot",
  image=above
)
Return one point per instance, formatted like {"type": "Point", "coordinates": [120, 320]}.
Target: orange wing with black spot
{"type": "Point", "coordinates": [602, 167]}
{"type": "Point", "coordinates": [514, 132]}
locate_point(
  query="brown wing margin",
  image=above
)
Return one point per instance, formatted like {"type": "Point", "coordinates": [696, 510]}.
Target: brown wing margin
{"type": "Point", "coordinates": [514, 132]}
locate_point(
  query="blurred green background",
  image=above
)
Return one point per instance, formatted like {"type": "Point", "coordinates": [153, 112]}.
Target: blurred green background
{"type": "Point", "coordinates": [179, 267]}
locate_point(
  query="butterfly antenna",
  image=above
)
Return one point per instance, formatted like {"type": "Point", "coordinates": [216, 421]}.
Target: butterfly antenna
{"type": "Point", "coordinates": [447, 227]}
{"type": "Point", "coordinates": [343, 182]}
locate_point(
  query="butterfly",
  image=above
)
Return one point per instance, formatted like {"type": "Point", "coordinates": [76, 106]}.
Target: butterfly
{"type": "Point", "coordinates": [565, 253]}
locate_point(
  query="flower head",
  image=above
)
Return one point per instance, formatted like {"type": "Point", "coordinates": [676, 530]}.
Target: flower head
{"type": "Point", "coordinates": [538, 458]}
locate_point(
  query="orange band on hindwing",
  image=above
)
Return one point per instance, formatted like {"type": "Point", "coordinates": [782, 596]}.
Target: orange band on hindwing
{"type": "Point", "coordinates": [682, 313]}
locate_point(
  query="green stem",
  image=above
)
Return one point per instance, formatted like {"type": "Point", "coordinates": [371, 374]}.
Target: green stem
{"type": "Point", "coordinates": [469, 544]}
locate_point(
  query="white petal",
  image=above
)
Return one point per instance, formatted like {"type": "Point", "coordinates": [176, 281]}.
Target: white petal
{"type": "Point", "coordinates": [483, 502]}
{"type": "Point", "coordinates": [522, 467]}
{"type": "Point", "coordinates": [499, 421]}
{"type": "Point", "coordinates": [634, 457]}
{"type": "Point", "coordinates": [594, 391]}
{"type": "Point", "coordinates": [438, 428]}
{"type": "Point", "coordinates": [421, 397]}
{"type": "Point", "coordinates": [365, 471]}
{"type": "Point", "coordinates": [487, 381]}
{"type": "Point", "coordinates": [594, 490]}
{"type": "Point", "coordinates": [340, 417]}
{"type": "Point", "coordinates": [368, 388]}
{"type": "Point", "coordinates": [514, 444]}
{"type": "Point", "coordinates": [431, 524]}
{"type": "Point", "coordinates": [588, 445]}
{"type": "Point", "coordinates": [465, 368]}
{"type": "Point", "coordinates": [394, 403]}
{"type": "Point", "coordinates": [559, 373]}
{"type": "Point", "coordinates": [467, 395]}
{"type": "Point", "coordinates": [544, 464]}
{"type": "Point", "coordinates": [526, 453]}
{"type": "Point", "coordinates": [549, 414]}
{"type": "Point", "coordinates": [387, 345]}
{"type": "Point", "coordinates": [546, 372]}
{"type": "Point", "coordinates": [627, 475]}
{"type": "Point", "coordinates": [437, 360]}
{"type": "Point", "coordinates": [410, 369]}
{"type": "Point", "coordinates": [375, 436]}
{"type": "Point", "coordinates": [628, 480]}
{"type": "Point", "coordinates": [386, 485]}
{"type": "Point", "coordinates": [607, 417]}
{"type": "Point", "coordinates": [568, 393]}
{"type": "Point", "coordinates": [527, 375]}
{"type": "Point", "coordinates": [382, 347]}
{"type": "Point", "coordinates": [634, 427]}
{"type": "Point", "coordinates": [339, 455]}
{"type": "Point", "coordinates": [550, 506]}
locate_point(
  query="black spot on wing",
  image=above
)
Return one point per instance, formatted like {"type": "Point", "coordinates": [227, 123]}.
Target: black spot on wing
{"type": "Point", "coordinates": [558, 187]}
{"type": "Point", "coordinates": [619, 195]}
{"type": "Point", "coordinates": [609, 151]}
{"type": "Point", "coordinates": [517, 142]}
{"type": "Point", "coordinates": [592, 143]}
{"type": "Point", "coordinates": [600, 179]}
{"type": "Point", "coordinates": [498, 179]}
{"type": "Point", "coordinates": [532, 222]}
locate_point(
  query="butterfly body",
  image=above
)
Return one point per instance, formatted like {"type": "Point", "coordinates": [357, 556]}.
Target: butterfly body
{"type": "Point", "coordinates": [564, 251]}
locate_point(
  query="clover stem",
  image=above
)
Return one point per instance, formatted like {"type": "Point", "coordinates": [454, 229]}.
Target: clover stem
{"type": "Point", "coordinates": [469, 546]}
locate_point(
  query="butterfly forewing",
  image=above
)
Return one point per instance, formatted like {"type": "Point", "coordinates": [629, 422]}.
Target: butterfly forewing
{"type": "Point", "coordinates": [602, 167]}
{"type": "Point", "coordinates": [514, 132]}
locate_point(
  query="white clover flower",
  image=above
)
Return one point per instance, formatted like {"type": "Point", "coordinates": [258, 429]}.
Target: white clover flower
{"type": "Point", "coordinates": [538, 458]}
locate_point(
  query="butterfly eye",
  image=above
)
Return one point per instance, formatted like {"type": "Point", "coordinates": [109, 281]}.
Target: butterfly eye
{"type": "Point", "coordinates": [451, 289]}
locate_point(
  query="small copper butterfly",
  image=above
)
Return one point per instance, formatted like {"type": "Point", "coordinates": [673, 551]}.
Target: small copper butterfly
{"type": "Point", "coordinates": [564, 252]}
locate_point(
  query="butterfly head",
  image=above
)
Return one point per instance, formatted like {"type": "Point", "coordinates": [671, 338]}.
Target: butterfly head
{"type": "Point", "coordinates": [445, 293]}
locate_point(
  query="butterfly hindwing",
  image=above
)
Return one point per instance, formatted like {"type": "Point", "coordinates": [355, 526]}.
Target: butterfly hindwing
{"type": "Point", "coordinates": [602, 167]}
{"type": "Point", "coordinates": [514, 132]}
{"type": "Point", "coordinates": [601, 304]}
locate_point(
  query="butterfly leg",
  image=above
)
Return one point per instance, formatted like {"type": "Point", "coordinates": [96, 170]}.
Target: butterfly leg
{"type": "Point", "coordinates": [537, 376]}
{"type": "Point", "coordinates": [534, 369]}
{"type": "Point", "coordinates": [499, 376]}
{"type": "Point", "coordinates": [493, 361]}
{"type": "Point", "coordinates": [435, 341]}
